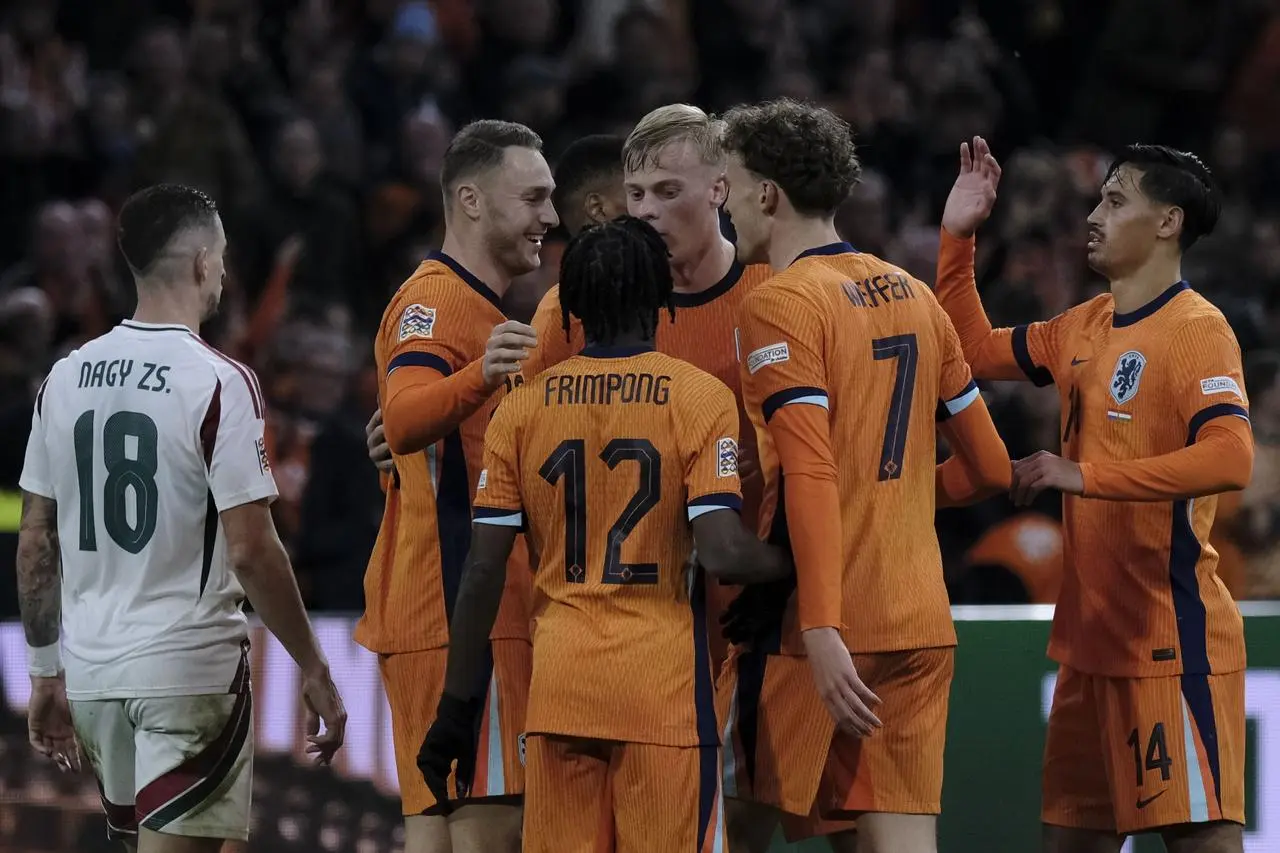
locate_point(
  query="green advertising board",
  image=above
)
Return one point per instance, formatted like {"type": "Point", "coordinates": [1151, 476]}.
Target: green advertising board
{"type": "Point", "coordinates": [995, 735]}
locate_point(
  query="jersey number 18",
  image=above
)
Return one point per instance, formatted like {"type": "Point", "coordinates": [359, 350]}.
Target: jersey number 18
{"type": "Point", "coordinates": [123, 474]}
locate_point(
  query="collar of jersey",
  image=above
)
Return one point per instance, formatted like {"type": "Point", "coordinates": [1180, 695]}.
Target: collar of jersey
{"type": "Point", "coordinates": [1119, 320]}
{"type": "Point", "coordinates": [466, 275]}
{"type": "Point", "coordinates": [720, 288]}
{"type": "Point", "coordinates": [601, 351]}
{"type": "Point", "coordinates": [829, 249]}
{"type": "Point", "coordinates": [155, 327]}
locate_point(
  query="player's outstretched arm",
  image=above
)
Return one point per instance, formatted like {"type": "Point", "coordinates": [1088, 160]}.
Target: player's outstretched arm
{"type": "Point", "coordinates": [1015, 354]}
{"type": "Point", "coordinates": [39, 578]}
{"type": "Point", "coordinates": [729, 553]}
{"type": "Point", "coordinates": [260, 563]}
{"type": "Point", "coordinates": [426, 401]}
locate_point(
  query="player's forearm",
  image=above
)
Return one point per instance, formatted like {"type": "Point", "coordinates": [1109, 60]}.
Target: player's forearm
{"type": "Point", "coordinates": [989, 351]}
{"type": "Point", "coordinates": [980, 466]}
{"type": "Point", "coordinates": [267, 577]}
{"type": "Point", "coordinates": [813, 522]}
{"type": "Point", "coordinates": [474, 613]}
{"type": "Point", "coordinates": [1221, 460]}
{"type": "Point", "coordinates": [39, 578]}
{"type": "Point", "coordinates": [734, 556]}
{"type": "Point", "coordinates": [422, 407]}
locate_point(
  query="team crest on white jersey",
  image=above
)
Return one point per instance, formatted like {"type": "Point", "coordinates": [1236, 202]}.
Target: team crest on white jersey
{"type": "Point", "coordinates": [417, 321]}
{"type": "Point", "coordinates": [264, 462]}
{"type": "Point", "coordinates": [1127, 375]}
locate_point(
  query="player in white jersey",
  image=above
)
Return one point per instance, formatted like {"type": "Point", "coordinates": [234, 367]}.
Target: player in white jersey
{"type": "Point", "coordinates": [147, 476]}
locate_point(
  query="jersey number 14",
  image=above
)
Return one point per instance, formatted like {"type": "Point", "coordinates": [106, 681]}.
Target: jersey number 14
{"type": "Point", "coordinates": [123, 475]}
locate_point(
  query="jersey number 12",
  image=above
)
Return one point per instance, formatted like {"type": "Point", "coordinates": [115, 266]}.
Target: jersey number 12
{"type": "Point", "coordinates": [123, 475]}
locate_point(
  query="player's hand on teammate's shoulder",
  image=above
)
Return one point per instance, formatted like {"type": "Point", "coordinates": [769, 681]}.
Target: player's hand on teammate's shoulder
{"type": "Point", "coordinates": [1043, 470]}
{"type": "Point", "coordinates": [974, 193]}
{"type": "Point", "coordinates": [450, 739]}
{"type": "Point", "coordinates": [49, 725]}
{"type": "Point", "coordinates": [508, 347]}
{"type": "Point", "coordinates": [322, 701]}
{"type": "Point", "coordinates": [376, 440]}
{"type": "Point", "coordinates": [849, 701]}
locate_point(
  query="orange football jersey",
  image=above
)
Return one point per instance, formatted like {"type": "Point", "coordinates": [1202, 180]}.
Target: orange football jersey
{"type": "Point", "coordinates": [605, 459]}
{"type": "Point", "coordinates": [440, 318]}
{"type": "Point", "coordinates": [855, 335]}
{"type": "Point", "coordinates": [1140, 593]}
{"type": "Point", "coordinates": [705, 334]}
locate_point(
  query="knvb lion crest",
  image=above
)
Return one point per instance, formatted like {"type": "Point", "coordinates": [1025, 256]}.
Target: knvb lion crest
{"type": "Point", "coordinates": [1127, 375]}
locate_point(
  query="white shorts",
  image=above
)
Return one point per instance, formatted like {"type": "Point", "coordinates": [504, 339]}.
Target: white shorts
{"type": "Point", "coordinates": [181, 765]}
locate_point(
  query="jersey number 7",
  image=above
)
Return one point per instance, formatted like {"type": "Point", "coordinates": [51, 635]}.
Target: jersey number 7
{"type": "Point", "coordinates": [905, 353]}
{"type": "Point", "coordinates": [123, 474]}
{"type": "Point", "coordinates": [568, 462]}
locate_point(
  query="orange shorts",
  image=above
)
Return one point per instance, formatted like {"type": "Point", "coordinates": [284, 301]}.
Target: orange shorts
{"type": "Point", "coordinates": [796, 829]}
{"type": "Point", "coordinates": [596, 796]}
{"type": "Point", "coordinates": [414, 682]}
{"type": "Point", "coordinates": [782, 749]}
{"type": "Point", "coordinates": [1132, 754]}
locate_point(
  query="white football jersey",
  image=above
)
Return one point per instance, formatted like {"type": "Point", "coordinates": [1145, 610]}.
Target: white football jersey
{"type": "Point", "coordinates": [143, 436]}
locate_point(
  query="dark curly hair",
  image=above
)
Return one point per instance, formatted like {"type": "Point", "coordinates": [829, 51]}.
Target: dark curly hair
{"type": "Point", "coordinates": [807, 151]}
{"type": "Point", "coordinates": [615, 277]}
{"type": "Point", "coordinates": [1177, 178]}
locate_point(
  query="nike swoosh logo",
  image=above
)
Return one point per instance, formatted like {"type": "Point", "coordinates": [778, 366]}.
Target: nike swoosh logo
{"type": "Point", "coordinates": [1075, 361]}
{"type": "Point", "coordinates": [1143, 803]}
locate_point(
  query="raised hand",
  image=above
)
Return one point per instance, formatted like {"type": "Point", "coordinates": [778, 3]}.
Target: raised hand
{"type": "Point", "coordinates": [973, 195]}
{"type": "Point", "coordinates": [508, 347]}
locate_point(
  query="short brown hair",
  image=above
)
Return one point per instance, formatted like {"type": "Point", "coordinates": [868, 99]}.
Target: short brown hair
{"type": "Point", "coordinates": [672, 123]}
{"type": "Point", "coordinates": [806, 150]}
{"type": "Point", "coordinates": [479, 147]}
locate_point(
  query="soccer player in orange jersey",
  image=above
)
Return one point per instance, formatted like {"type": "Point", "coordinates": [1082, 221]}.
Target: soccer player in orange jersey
{"type": "Point", "coordinates": [842, 349]}
{"type": "Point", "coordinates": [1147, 726]}
{"type": "Point", "coordinates": [444, 353]}
{"type": "Point", "coordinates": [672, 170]}
{"type": "Point", "coordinates": [618, 461]}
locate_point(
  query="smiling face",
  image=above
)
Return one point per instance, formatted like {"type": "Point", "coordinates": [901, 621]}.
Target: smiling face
{"type": "Point", "coordinates": [1127, 225]}
{"type": "Point", "coordinates": [516, 209]}
{"type": "Point", "coordinates": [679, 194]}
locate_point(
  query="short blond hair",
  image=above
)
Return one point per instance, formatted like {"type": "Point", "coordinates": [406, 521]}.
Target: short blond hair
{"type": "Point", "coordinates": [673, 123]}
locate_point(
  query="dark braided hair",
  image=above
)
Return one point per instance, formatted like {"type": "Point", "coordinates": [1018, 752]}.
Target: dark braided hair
{"type": "Point", "coordinates": [615, 277]}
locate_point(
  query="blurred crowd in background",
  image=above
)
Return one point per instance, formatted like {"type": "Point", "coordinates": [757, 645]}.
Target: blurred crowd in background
{"type": "Point", "coordinates": [319, 126]}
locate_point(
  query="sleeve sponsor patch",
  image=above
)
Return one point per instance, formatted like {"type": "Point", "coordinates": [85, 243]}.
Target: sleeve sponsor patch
{"type": "Point", "coordinates": [417, 321]}
{"type": "Point", "coordinates": [264, 463]}
{"type": "Point", "coordinates": [484, 479]}
{"type": "Point", "coordinates": [1219, 385]}
{"type": "Point", "coordinates": [771, 354]}
{"type": "Point", "coordinates": [727, 457]}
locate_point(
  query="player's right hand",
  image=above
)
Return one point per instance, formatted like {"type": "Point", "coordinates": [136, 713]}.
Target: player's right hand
{"type": "Point", "coordinates": [49, 726]}
{"type": "Point", "coordinates": [846, 697]}
{"type": "Point", "coordinates": [508, 347]}
{"type": "Point", "coordinates": [974, 193]}
{"type": "Point", "coordinates": [320, 696]}
{"type": "Point", "coordinates": [450, 739]}
{"type": "Point", "coordinates": [375, 439]}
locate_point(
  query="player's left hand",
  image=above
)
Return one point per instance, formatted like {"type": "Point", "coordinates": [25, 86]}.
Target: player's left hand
{"type": "Point", "coordinates": [451, 738]}
{"type": "Point", "coordinates": [49, 724]}
{"type": "Point", "coordinates": [974, 193]}
{"type": "Point", "coordinates": [1042, 470]}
